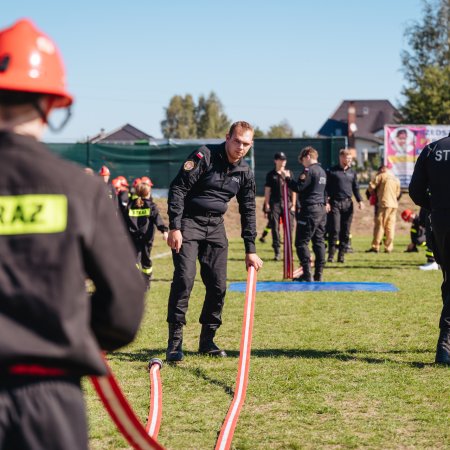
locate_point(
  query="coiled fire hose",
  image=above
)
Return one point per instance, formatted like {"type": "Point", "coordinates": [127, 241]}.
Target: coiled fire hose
{"type": "Point", "coordinates": [123, 415]}
{"type": "Point", "coordinates": [141, 438]}
{"type": "Point", "coordinates": [288, 265]}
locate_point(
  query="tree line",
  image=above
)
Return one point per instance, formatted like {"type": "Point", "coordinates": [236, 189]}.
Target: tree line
{"type": "Point", "coordinates": [187, 119]}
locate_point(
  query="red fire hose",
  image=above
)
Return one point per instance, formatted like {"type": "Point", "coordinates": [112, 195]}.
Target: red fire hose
{"type": "Point", "coordinates": [288, 266]}
{"type": "Point", "coordinates": [229, 425]}
{"type": "Point", "coordinates": [155, 413]}
{"type": "Point", "coordinates": [123, 416]}
{"type": "Point", "coordinates": [141, 438]}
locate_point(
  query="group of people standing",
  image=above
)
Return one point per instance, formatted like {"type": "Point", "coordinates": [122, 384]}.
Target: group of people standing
{"type": "Point", "coordinates": [140, 214]}
{"type": "Point", "coordinates": [322, 204]}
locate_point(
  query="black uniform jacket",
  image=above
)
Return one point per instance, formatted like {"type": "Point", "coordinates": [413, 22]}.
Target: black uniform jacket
{"type": "Point", "coordinates": [206, 182]}
{"type": "Point", "coordinates": [142, 220]}
{"type": "Point", "coordinates": [310, 185]}
{"type": "Point", "coordinates": [57, 227]}
{"type": "Point", "coordinates": [341, 184]}
{"type": "Point", "coordinates": [430, 182]}
{"type": "Point", "coordinates": [275, 183]}
{"type": "Point", "coordinates": [123, 198]}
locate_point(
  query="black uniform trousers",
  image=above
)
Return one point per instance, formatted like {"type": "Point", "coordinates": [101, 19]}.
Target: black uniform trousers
{"type": "Point", "coordinates": [143, 250]}
{"type": "Point", "coordinates": [311, 225]}
{"type": "Point", "coordinates": [440, 221]}
{"type": "Point", "coordinates": [341, 216]}
{"type": "Point", "coordinates": [203, 238]}
{"type": "Point", "coordinates": [276, 211]}
{"type": "Point", "coordinates": [429, 239]}
{"type": "Point", "coordinates": [42, 414]}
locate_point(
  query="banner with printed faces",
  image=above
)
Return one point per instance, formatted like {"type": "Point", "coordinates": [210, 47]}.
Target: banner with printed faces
{"type": "Point", "coordinates": [403, 144]}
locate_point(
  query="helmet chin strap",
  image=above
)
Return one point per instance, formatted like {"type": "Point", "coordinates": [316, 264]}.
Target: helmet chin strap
{"type": "Point", "coordinates": [44, 116]}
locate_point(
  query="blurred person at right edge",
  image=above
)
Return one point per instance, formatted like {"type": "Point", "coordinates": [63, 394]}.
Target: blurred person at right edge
{"type": "Point", "coordinates": [341, 185]}
{"type": "Point", "coordinates": [387, 188]}
{"type": "Point", "coordinates": [273, 201]}
{"type": "Point", "coordinates": [57, 228]}
{"type": "Point", "coordinates": [430, 188]}
{"type": "Point", "coordinates": [311, 220]}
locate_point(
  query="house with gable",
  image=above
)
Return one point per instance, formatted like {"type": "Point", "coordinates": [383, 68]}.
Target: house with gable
{"type": "Point", "coordinates": [362, 121]}
{"type": "Point", "coordinates": [126, 134]}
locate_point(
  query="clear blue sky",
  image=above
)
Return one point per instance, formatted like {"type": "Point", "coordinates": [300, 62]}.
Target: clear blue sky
{"type": "Point", "coordinates": [268, 61]}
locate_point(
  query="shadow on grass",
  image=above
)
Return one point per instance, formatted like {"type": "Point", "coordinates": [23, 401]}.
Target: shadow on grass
{"type": "Point", "coordinates": [199, 373]}
{"type": "Point", "coordinates": [365, 266]}
{"type": "Point", "coordinates": [141, 355]}
{"type": "Point", "coordinates": [346, 355]}
{"type": "Point", "coordinates": [145, 355]}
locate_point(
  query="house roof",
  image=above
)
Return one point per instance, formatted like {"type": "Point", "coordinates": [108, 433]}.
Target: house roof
{"type": "Point", "coordinates": [371, 116]}
{"type": "Point", "coordinates": [125, 134]}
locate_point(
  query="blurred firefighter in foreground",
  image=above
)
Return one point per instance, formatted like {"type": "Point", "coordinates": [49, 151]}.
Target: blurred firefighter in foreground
{"type": "Point", "coordinates": [56, 228]}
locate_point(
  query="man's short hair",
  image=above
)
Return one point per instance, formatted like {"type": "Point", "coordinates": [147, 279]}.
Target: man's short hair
{"type": "Point", "coordinates": [241, 124]}
{"type": "Point", "coordinates": [308, 151]}
{"type": "Point", "coordinates": [345, 152]}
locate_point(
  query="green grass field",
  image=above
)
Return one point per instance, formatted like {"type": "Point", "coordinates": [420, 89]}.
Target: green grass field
{"type": "Point", "coordinates": [328, 370]}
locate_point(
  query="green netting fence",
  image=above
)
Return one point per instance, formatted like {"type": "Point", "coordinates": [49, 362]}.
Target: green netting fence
{"type": "Point", "coordinates": [161, 160]}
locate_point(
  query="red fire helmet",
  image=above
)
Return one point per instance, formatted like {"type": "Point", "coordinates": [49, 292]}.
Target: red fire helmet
{"type": "Point", "coordinates": [146, 180]}
{"type": "Point", "coordinates": [30, 62]}
{"type": "Point", "coordinates": [406, 214]}
{"type": "Point", "coordinates": [104, 171]}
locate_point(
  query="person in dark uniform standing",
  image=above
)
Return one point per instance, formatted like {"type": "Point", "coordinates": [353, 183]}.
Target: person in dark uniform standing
{"type": "Point", "coordinates": [341, 185]}
{"type": "Point", "coordinates": [273, 201]}
{"type": "Point", "coordinates": [312, 217]}
{"type": "Point", "coordinates": [56, 228]}
{"type": "Point", "coordinates": [429, 188]}
{"type": "Point", "coordinates": [142, 219]}
{"type": "Point", "coordinates": [198, 198]}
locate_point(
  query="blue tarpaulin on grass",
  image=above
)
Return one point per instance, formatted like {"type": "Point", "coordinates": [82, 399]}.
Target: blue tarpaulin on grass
{"type": "Point", "coordinates": [294, 286]}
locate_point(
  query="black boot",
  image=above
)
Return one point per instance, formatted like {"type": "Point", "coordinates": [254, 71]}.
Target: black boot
{"type": "Point", "coordinates": [207, 345]}
{"type": "Point", "coordinates": [306, 275]}
{"type": "Point", "coordinates": [262, 239]}
{"type": "Point", "coordinates": [174, 351]}
{"type": "Point", "coordinates": [277, 256]}
{"type": "Point", "coordinates": [318, 272]}
{"type": "Point", "coordinates": [443, 348]}
{"type": "Point", "coordinates": [348, 248]}
{"type": "Point", "coordinates": [331, 252]}
{"type": "Point", "coordinates": [341, 256]}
